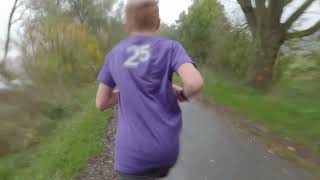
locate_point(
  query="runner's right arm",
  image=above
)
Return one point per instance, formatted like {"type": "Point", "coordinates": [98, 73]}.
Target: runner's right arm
{"type": "Point", "coordinates": [191, 79]}
{"type": "Point", "coordinates": [106, 97]}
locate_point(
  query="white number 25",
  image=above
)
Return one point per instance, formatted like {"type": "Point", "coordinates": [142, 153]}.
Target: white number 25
{"type": "Point", "coordinates": [139, 54]}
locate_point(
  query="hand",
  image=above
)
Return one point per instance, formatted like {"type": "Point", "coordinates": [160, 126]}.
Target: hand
{"type": "Point", "coordinates": [115, 90]}
{"type": "Point", "coordinates": [178, 91]}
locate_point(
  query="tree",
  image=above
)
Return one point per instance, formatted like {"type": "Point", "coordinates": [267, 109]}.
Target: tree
{"type": "Point", "coordinates": [168, 31]}
{"type": "Point", "coordinates": [65, 40]}
{"type": "Point", "coordinates": [92, 13]}
{"type": "Point", "coordinates": [269, 34]}
{"type": "Point", "coordinates": [195, 26]}
{"type": "Point", "coordinates": [211, 40]}
{"type": "Point", "coordinates": [11, 21]}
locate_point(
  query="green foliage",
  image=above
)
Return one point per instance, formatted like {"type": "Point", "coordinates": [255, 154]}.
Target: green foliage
{"type": "Point", "coordinates": [194, 27]}
{"type": "Point", "coordinates": [230, 51]}
{"type": "Point", "coordinates": [63, 49]}
{"type": "Point", "coordinates": [67, 40]}
{"type": "Point", "coordinates": [298, 76]}
{"type": "Point", "coordinates": [290, 110]}
{"type": "Point", "coordinates": [71, 54]}
{"type": "Point", "coordinates": [65, 153]}
{"type": "Point", "coordinates": [20, 117]}
{"type": "Point", "coordinates": [93, 13]}
{"type": "Point", "coordinates": [211, 40]}
{"type": "Point", "coordinates": [169, 31]}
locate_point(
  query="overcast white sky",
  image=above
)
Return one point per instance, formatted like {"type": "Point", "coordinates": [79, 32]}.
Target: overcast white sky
{"type": "Point", "coordinates": [170, 10]}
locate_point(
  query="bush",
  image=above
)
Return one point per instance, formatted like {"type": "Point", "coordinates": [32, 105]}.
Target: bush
{"type": "Point", "coordinates": [212, 41]}
{"type": "Point", "coordinates": [298, 76]}
{"type": "Point", "coordinates": [65, 153]}
{"type": "Point", "coordinates": [66, 52]}
{"type": "Point", "coordinates": [230, 50]}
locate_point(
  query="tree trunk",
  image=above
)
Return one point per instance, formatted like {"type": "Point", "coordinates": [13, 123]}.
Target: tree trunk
{"type": "Point", "coordinates": [3, 71]}
{"type": "Point", "coordinates": [260, 73]}
{"type": "Point", "coordinates": [269, 33]}
{"type": "Point", "coordinates": [10, 23]}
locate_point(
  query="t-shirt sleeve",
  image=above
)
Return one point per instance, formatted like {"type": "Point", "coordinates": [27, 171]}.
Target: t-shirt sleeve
{"type": "Point", "coordinates": [105, 76]}
{"type": "Point", "coordinates": [179, 56]}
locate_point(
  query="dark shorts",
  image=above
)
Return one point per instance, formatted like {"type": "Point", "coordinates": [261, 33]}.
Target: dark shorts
{"type": "Point", "coordinates": [149, 175]}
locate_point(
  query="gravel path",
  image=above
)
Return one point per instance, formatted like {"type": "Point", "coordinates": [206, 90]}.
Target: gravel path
{"type": "Point", "coordinates": [212, 149]}
{"type": "Point", "coordinates": [101, 168]}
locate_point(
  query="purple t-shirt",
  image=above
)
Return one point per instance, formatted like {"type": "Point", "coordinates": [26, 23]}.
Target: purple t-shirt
{"type": "Point", "coordinates": [149, 115]}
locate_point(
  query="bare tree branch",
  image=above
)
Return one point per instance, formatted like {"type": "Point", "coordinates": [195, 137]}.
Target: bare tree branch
{"type": "Point", "coordinates": [276, 7]}
{"type": "Point", "coordinates": [269, 34]}
{"type": "Point", "coordinates": [21, 3]}
{"type": "Point", "coordinates": [249, 12]}
{"type": "Point", "coordinates": [303, 33]}
{"type": "Point", "coordinates": [20, 18]}
{"type": "Point", "coordinates": [16, 20]}
{"type": "Point", "coordinates": [287, 25]}
{"type": "Point", "coordinates": [246, 6]}
{"type": "Point", "coordinates": [13, 10]}
{"type": "Point", "coordinates": [286, 2]}
{"type": "Point", "coordinates": [241, 28]}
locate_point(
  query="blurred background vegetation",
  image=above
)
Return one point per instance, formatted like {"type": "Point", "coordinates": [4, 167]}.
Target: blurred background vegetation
{"type": "Point", "coordinates": [63, 47]}
{"type": "Point", "coordinates": [47, 109]}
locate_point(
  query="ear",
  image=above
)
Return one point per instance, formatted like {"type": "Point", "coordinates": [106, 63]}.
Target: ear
{"type": "Point", "coordinates": [158, 24]}
{"type": "Point", "coordinates": [126, 26]}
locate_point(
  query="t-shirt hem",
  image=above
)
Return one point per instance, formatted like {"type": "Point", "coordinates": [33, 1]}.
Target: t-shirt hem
{"type": "Point", "coordinates": [142, 170]}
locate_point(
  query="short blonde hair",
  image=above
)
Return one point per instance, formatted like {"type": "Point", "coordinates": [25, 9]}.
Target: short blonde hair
{"type": "Point", "coordinates": [143, 14]}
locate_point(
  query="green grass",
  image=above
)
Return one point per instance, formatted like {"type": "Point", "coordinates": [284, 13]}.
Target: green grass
{"type": "Point", "coordinates": [293, 118]}
{"type": "Point", "coordinates": [65, 153]}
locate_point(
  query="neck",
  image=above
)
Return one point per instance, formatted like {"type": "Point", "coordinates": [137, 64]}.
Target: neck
{"type": "Point", "coordinates": [143, 33]}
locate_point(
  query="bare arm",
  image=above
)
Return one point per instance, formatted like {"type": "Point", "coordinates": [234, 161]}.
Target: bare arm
{"type": "Point", "coordinates": [106, 97]}
{"type": "Point", "coordinates": [191, 79]}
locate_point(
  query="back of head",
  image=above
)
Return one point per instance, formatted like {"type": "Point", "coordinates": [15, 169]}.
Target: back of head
{"type": "Point", "coordinates": [143, 15]}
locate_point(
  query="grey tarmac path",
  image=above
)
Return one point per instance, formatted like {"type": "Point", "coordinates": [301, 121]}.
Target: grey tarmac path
{"type": "Point", "coordinates": [213, 149]}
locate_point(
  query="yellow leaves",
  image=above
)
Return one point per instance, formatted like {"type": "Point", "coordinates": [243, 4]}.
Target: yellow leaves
{"type": "Point", "coordinates": [93, 49]}
{"type": "Point", "coordinates": [70, 50]}
{"type": "Point", "coordinates": [68, 68]}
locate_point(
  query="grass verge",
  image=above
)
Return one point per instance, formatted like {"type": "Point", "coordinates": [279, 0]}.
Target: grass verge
{"type": "Point", "coordinates": [66, 151]}
{"type": "Point", "coordinates": [295, 119]}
